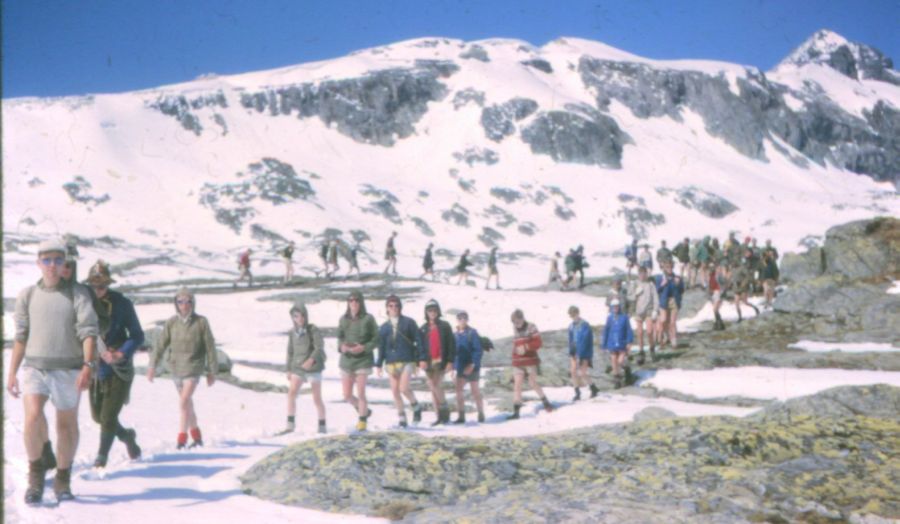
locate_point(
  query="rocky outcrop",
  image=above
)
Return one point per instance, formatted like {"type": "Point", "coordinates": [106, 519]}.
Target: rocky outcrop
{"type": "Point", "coordinates": [706, 203]}
{"type": "Point", "coordinates": [585, 137]}
{"type": "Point", "coordinates": [829, 457]}
{"type": "Point", "coordinates": [499, 121]}
{"type": "Point", "coordinates": [851, 59]}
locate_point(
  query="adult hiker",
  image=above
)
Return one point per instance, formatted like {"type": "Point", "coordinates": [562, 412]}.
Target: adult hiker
{"type": "Point", "coordinates": [468, 367]}
{"type": "Point", "coordinates": [670, 288]}
{"type": "Point", "coordinates": [191, 348]}
{"type": "Point", "coordinates": [462, 268]}
{"type": "Point", "coordinates": [571, 267]}
{"type": "Point", "coordinates": [400, 352]}
{"type": "Point", "coordinates": [617, 291]}
{"type": "Point", "coordinates": [742, 282]}
{"type": "Point", "coordinates": [353, 259]}
{"type": "Point", "coordinates": [492, 269]}
{"type": "Point", "coordinates": [323, 256]}
{"type": "Point", "coordinates": [390, 254]}
{"type": "Point", "coordinates": [631, 253]}
{"type": "Point", "coordinates": [682, 253]}
{"type": "Point", "coordinates": [55, 332]}
{"type": "Point", "coordinates": [428, 262]}
{"type": "Point", "coordinates": [244, 268]}
{"type": "Point", "coordinates": [581, 353]}
{"type": "Point", "coordinates": [333, 258]}
{"type": "Point", "coordinates": [718, 283]}
{"type": "Point", "coordinates": [663, 254]}
{"type": "Point", "coordinates": [554, 270]}
{"type": "Point", "coordinates": [617, 337]}
{"type": "Point", "coordinates": [645, 259]}
{"type": "Point", "coordinates": [72, 256]}
{"type": "Point", "coordinates": [120, 335]}
{"type": "Point", "coordinates": [580, 265]}
{"type": "Point", "coordinates": [770, 250]}
{"type": "Point", "coordinates": [439, 347]}
{"type": "Point", "coordinates": [695, 264]}
{"type": "Point", "coordinates": [646, 310]}
{"type": "Point", "coordinates": [525, 361]}
{"type": "Point", "coordinates": [305, 362]}
{"type": "Point", "coordinates": [67, 271]}
{"type": "Point", "coordinates": [357, 338]}
{"type": "Point", "coordinates": [769, 275]}
{"type": "Point", "coordinates": [287, 254]}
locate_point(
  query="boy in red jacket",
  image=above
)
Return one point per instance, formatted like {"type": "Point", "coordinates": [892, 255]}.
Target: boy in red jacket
{"type": "Point", "coordinates": [525, 360]}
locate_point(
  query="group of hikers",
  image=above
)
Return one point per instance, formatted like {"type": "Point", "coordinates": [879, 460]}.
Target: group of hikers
{"type": "Point", "coordinates": [70, 337]}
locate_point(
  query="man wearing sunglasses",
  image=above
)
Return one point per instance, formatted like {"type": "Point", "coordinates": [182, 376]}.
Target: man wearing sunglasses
{"type": "Point", "coordinates": [56, 328]}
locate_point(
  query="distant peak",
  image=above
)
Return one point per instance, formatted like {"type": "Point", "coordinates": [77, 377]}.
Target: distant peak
{"type": "Point", "coordinates": [852, 59]}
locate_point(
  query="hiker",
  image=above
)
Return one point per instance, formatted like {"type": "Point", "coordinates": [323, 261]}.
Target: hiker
{"type": "Point", "coordinates": [55, 333]}
{"type": "Point", "coordinates": [694, 271]}
{"type": "Point", "coordinates": [525, 361]}
{"type": "Point", "coordinates": [718, 283]}
{"type": "Point", "coordinates": [192, 352]}
{"type": "Point", "coordinates": [71, 243]}
{"type": "Point", "coordinates": [67, 271]}
{"type": "Point", "coordinates": [428, 262]}
{"type": "Point", "coordinates": [439, 347]}
{"type": "Point", "coordinates": [617, 291]}
{"type": "Point", "coordinates": [462, 268]}
{"type": "Point", "coordinates": [682, 254]}
{"type": "Point", "coordinates": [390, 254]}
{"type": "Point", "coordinates": [492, 269]}
{"type": "Point", "coordinates": [571, 267]}
{"type": "Point", "coordinates": [581, 353]}
{"type": "Point", "coordinates": [645, 259]}
{"type": "Point", "coordinates": [323, 256]}
{"type": "Point", "coordinates": [554, 271]}
{"type": "Point", "coordinates": [714, 251]}
{"type": "Point", "coordinates": [244, 268]}
{"type": "Point", "coordinates": [357, 338]}
{"type": "Point", "coordinates": [741, 283]}
{"type": "Point", "coordinates": [670, 288]}
{"type": "Point", "coordinates": [772, 252]}
{"type": "Point", "coordinates": [663, 254]}
{"type": "Point", "coordinates": [288, 254]}
{"type": "Point", "coordinates": [617, 337]}
{"type": "Point", "coordinates": [333, 258]}
{"type": "Point", "coordinates": [353, 259]}
{"type": "Point", "coordinates": [580, 265]}
{"type": "Point", "coordinates": [646, 311]}
{"type": "Point", "coordinates": [119, 336]}
{"type": "Point", "coordinates": [769, 275]}
{"type": "Point", "coordinates": [400, 350]}
{"type": "Point", "coordinates": [468, 367]}
{"type": "Point", "coordinates": [631, 253]}
{"type": "Point", "coordinates": [704, 257]}
{"type": "Point", "coordinates": [305, 362]}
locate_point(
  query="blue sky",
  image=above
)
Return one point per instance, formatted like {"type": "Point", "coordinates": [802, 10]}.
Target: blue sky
{"type": "Point", "coordinates": [56, 47]}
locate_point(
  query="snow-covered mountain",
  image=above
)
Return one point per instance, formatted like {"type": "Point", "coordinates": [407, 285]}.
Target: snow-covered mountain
{"type": "Point", "coordinates": [464, 144]}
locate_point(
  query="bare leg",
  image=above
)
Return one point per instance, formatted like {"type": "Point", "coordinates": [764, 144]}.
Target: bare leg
{"type": "Point", "coordinates": [293, 391]}
{"type": "Point", "coordinates": [405, 388]}
{"type": "Point", "coordinates": [585, 373]}
{"type": "Point", "coordinates": [317, 399]}
{"type": "Point", "coordinates": [347, 386]}
{"type": "Point", "coordinates": [532, 380]}
{"type": "Point", "coordinates": [673, 335]}
{"type": "Point", "coordinates": [186, 403]}
{"type": "Point", "coordinates": [460, 401]}
{"type": "Point", "coordinates": [35, 434]}
{"type": "Point", "coordinates": [573, 371]}
{"type": "Point", "coordinates": [476, 394]}
{"type": "Point", "coordinates": [395, 391]}
{"type": "Point", "coordinates": [518, 378]}
{"type": "Point", "coordinates": [66, 436]}
{"type": "Point", "coordinates": [363, 405]}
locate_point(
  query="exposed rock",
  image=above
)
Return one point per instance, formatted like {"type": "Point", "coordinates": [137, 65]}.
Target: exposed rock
{"type": "Point", "coordinates": [527, 228]}
{"type": "Point", "coordinates": [468, 96]}
{"type": "Point", "coordinates": [79, 190]}
{"type": "Point", "coordinates": [502, 217]}
{"type": "Point", "coordinates": [570, 137]}
{"type": "Point", "coordinates": [475, 52]}
{"type": "Point", "coordinates": [653, 413]}
{"type": "Point", "coordinates": [261, 233]}
{"type": "Point", "coordinates": [539, 64]}
{"type": "Point", "coordinates": [474, 155]}
{"type": "Point", "coordinates": [506, 194]}
{"type": "Point", "coordinates": [836, 463]}
{"type": "Point", "coordinates": [490, 236]}
{"type": "Point", "coordinates": [498, 121]}
{"type": "Point", "coordinates": [863, 249]}
{"type": "Point", "coordinates": [706, 203]}
{"type": "Point", "coordinates": [855, 60]}
{"type": "Point", "coordinates": [179, 107]}
{"type": "Point", "coordinates": [383, 203]}
{"type": "Point", "coordinates": [457, 214]}
{"type": "Point", "coordinates": [638, 219]}
{"type": "Point", "coordinates": [797, 267]}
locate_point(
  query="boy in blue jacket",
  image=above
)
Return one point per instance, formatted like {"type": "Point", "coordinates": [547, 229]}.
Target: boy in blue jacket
{"type": "Point", "coordinates": [468, 366]}
{"type": "Point", "coordinates": [400, 345]}
{"type": "Point", "coordinates": [617, 337]}
{"type": "Point", "coordinates": [581, 353]}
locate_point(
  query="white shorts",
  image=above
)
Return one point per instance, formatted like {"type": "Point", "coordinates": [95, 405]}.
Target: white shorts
{"type": "Point", "coordinates": [181, 381]}
{"type": "Point", "coordinates": [306, 376]}
{"type": "Point", "coordinates": [362, 371]}
{"type": "Point", "coordinates": [58, 384]}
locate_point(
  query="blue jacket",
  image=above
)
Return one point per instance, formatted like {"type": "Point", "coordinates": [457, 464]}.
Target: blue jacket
{"type": "Point", "coordinates": [124, 333]}
{"type": "Point", "coordinates": [673, 288]}
{"type": "Point", "coordinates": [468, 349]}
{"type": "Point", "coordinates": [405, 347]}
{"type": "Point", "coordinates": [581, 340]}
{"type": "Point", "coordinates": [617, 333]}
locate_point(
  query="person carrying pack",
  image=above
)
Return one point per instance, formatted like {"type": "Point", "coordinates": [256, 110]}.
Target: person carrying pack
{"type": "Point", "coordinates": [305, 363]}
{"type": "Point", "coordinates": [468, 366]}
{"type": "Point", "coordinates": [400, 352]}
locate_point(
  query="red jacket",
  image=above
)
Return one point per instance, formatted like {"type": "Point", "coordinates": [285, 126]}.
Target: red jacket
{"type": "Point", "coordinates": [530, 338]}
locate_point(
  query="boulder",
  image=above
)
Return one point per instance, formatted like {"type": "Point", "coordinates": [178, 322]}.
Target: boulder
{"type": "Point", "coordinates": [863, 249]}
{"type": "Point", "coordinates": [797, 267]}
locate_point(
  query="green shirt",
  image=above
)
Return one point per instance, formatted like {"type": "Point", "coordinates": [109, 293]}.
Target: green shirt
{"type": "Point", "coordinates": [362, 330]}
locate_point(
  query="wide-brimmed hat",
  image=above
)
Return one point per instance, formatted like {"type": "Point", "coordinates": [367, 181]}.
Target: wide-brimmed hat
{"type": "Point", "coordinates": [99, 275]}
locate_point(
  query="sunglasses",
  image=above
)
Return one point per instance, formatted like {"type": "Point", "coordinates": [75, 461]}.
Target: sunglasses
{"type": "Point", "coordinates": [353, 300]}
{"type": "Point", "coordinates": [183, 301]}
{"type": "Point", "coordinates": [393, 306]}
{"type": "Point", "coordinates": [56, 261]}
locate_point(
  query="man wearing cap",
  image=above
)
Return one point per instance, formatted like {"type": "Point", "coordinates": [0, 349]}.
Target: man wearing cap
{"type": "Point", "coordinates": [120, 335]}
{"type": "Point", "coordinates": [56, 329]}
{"type": "Point", "coordinates": [400, 350]}
{"type": "Point", "coordinates": [191, 352]}
{"type": "Point", "coordinates": [439, 347]}
{"type": "Point", "coordinates": [581, 353]}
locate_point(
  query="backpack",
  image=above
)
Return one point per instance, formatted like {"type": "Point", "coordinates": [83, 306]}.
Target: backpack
{"type": "Point", "coordinates": [486, 344]}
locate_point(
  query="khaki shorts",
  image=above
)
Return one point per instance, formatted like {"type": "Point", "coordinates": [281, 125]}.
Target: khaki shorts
{"type": "Point", "coordinates": [672, 305]}
{"type": "Point", "coordinates": [398, 368]}
{"type": "Point", "coordinates": [306, 376]}
{"type": "Point", "coordinates": [181, 381]}
{"type": "Point", "coordinates": [530, 370]}
{"type": "Point", "coordinates": [640, 316]}
{"type": "Point", "coordinates": [435, 370]}
{"type": "Point", "coordinates": [360, 371]}
{"type": "Point", "coordinates": [58, 384]}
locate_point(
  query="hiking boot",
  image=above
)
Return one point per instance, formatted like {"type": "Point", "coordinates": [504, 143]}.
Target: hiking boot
{"type": "Point", "coordinates": [35, 492]}
{"type": "Point", "coordinates": [641, 358]}
{"type": "Point", "coordinates": [481, 417]}
{"type": "Point", "coordinates": [577, 396]}
{"type": "Point", "coordinates": [460, 419]}
{"type": "Point", "coordinates": [361, 425]}
{"type": "Point", "coordinates": [653, 356]}
{"type": "Point", "coordinates": [515, 415]}
{"type": "Point", "coordinates": [619, 381]}
{"type": "Point", "coordinates": [48, 459]}
{"type": "Point", "coordinates": [417, 413]}
{"type": "Point", "coordinates": [134, 451]}
{"type": "Point", "coordinates": [196, 444]}
{"type": "Point", "coordinates": [182, 441]}
{"type": "Point", "coordinates": [197, 438]}
{"type": "Point", "coordinates": [100, 461]}
{"type": "Point", "coordinates": [594, 390]}
{"type": "Point", "coordinates": [608, 369]}
{"type": "Point", "coordinates": [62, 484]}
{"type": "Point", "coordinates": [547, 405]}
{"type": "Point", "coordinates": [403, 422]}
{"type": "Point", "coordinates": [322, 429]}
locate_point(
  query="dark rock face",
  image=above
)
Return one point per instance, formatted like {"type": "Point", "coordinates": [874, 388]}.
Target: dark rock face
{"type": "Point", "coordinates": [422, 226]}
{"type": "Point", "coordinates": [797, 267]}
{"type": "Point", "coordinates": [706, 203]}
{"type": "Point", "coordinates": [457, 214]}
{"type": "Point", "coordinates": [571, 137]}
{"type": "Point", "coordinates": [506, 194]}
{"type": "Point", "coordinates": [539, 64]}
{"type": "Point", "coordinates": [79, 190]}
{"type": "Point", "coordinates": [490, 237]}
{"type": "Point", "coordinates": [638, 219]}
{"type": "Point", "coordinates": [499, 121]}
{"type": "Point", "coordinates": [382, 203]}
{"type": "Point", "coordinates": [474, 155]}
{"type": "Point", "coordinates": [261, 233]}
{"type": "Point", "coordinates": [821, 458]}
{"type": "Point", "coordinates": [180, 108]}
{"type": "Point", "coordinates": [502, 217]}
{"type": "Point", "coordinates": [475, 52]}
{"type": "Point", "coordinates": [468, 96]}
{"type": "Point", "coordinates": [378, 108]}
{"type": "Point", "coordinates": [857, 61]}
